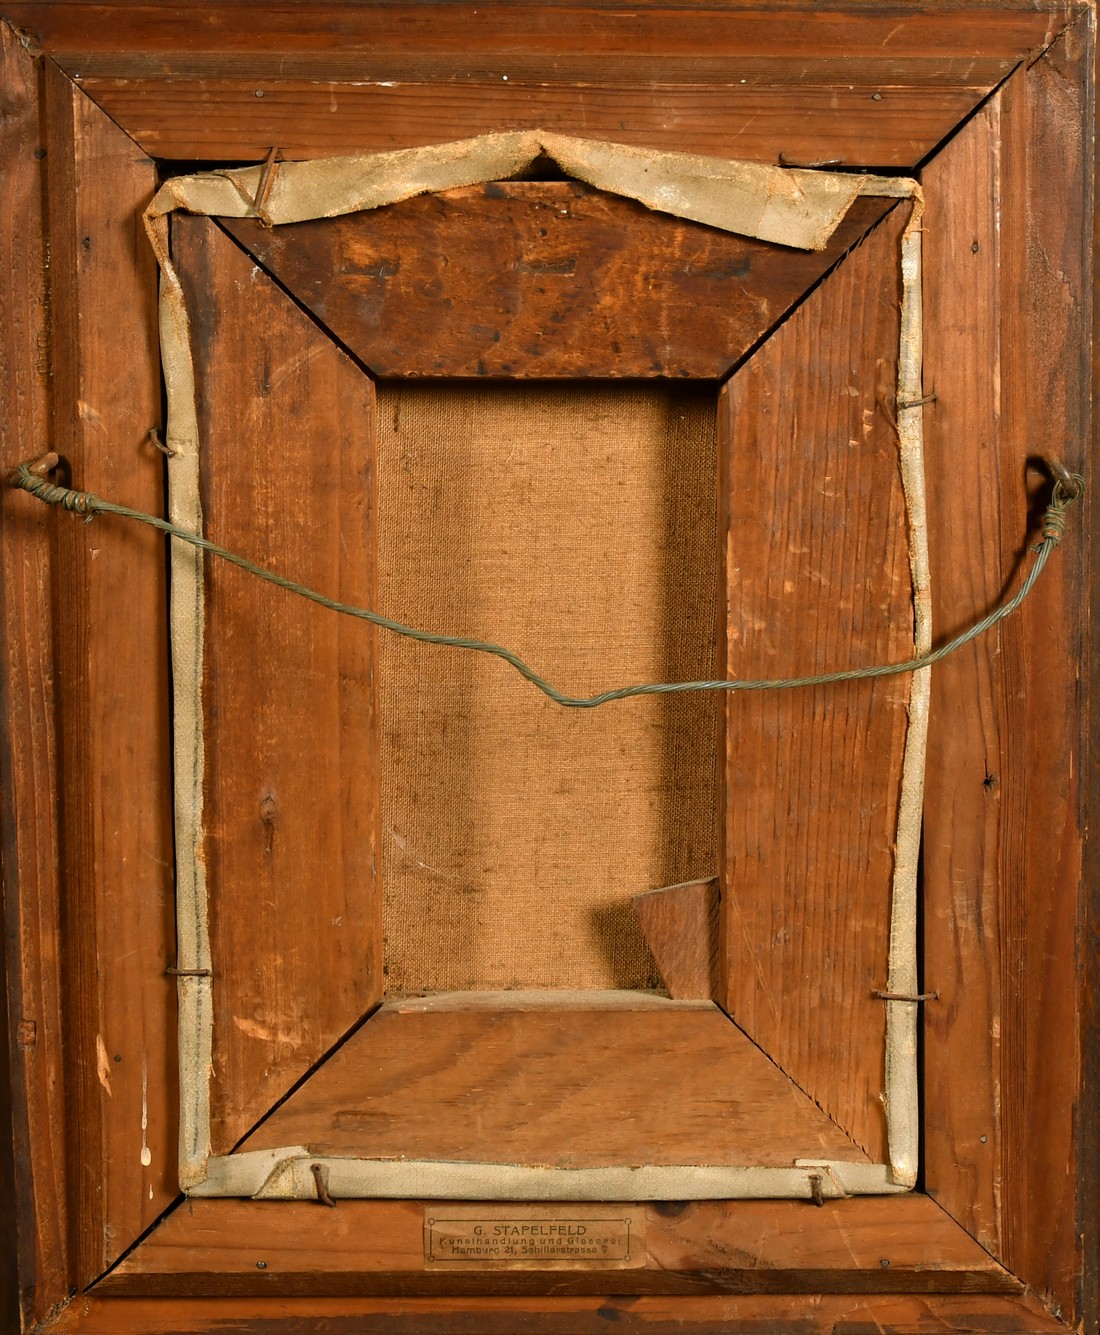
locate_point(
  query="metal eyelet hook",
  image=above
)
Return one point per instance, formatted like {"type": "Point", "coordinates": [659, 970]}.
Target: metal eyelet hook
{"type": "Point", "coordinates": [1069, 487]}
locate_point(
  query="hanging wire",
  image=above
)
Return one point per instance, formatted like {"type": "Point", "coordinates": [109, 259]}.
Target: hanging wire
{"type": "Point", "coordinates": [1068, 488]}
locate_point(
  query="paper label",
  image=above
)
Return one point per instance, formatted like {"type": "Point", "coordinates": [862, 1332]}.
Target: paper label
{"type": "Point", "coordinates": [535, 1237]}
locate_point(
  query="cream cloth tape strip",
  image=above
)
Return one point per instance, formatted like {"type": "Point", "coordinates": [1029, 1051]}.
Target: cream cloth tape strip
{"type": "Point", "coordinates": [797, 208]}
{"type": "Point", "coordinates": [901, 1098]}
{"type": "Point", "coordinates": [288, 1173]}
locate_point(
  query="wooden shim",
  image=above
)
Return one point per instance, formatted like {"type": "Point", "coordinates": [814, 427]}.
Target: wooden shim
{"type": "Point", "coordinates": [34, 1233]}
{"type": "Point", "coordinates": [749, 1246]}
{"type": "Point", "coordinates": [817, 578]}
{"type": "Point", "coordinates": [584, 1088]}
{"type": "Point", "coordinates": [291, 782]}
{"type": "Point", "coordinates": [681, 929]}
{"type": "Point", "coordinates": [474, 282]}
{"type": "Point", "coordinates": [1006, 293]}
{"type": "Point", "coordinates": [307, 119]}
{"type": "Point", "coordinates": [117, 922]}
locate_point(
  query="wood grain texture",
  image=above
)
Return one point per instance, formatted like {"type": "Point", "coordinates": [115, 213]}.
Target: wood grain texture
{"type": "Point", "coordinates": [681, 929]}
{"type": "Point", "coordinates": [108, 31]}
{"type": "Point", "coordinates": [878, 68]}
{"type": "Point", "coordinates": [307, 118]}
{"type": "Point", "coordinates": [291, 805]}
{"type": "Point", "coordinates": [34, 1232]}
{"type": "Point", "coordinates": [816, 579]}
{"type": "Point", "coordinates": [939, 41]}
{"type": "Point", "coordinates": [1088, 947]}
{"type": "Point", "coordinates": [542, 279]}
{"type": "Point", "coordinates": [365, 1247]}
{"type": "Point", "coordinates": [965, 810]}
{"type": "Point", "coordinates": [1046, 385]}
{"type": "Point", "coordinates": [902, 1314]}
{"type": "Point", "coordinates": [1006, 290]}
{"type": "Point", "coordinates": [118, 923]}
{"type": "Point", "coordinates": [883, 87]}
{"type": "Point", "coordinates": [582, 1089]}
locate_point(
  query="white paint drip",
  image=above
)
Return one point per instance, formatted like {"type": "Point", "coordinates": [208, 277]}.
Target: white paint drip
{"type": "Point", "coordinates": [102, 1064]}
{"type": "Point", "coordinates": [254, 1029]}
{"type": "Point", "coordinates": [146, 1154]}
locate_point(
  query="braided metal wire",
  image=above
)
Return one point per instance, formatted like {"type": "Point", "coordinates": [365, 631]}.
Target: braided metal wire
{"type": "Point", "coordinates": [1068, 488]}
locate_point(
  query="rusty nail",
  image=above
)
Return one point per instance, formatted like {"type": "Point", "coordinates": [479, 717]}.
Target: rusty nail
{"type": "Point", "coordinates": [318, 1172]}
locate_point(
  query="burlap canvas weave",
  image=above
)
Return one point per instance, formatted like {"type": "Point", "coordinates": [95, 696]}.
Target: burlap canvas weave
{"type": "Point", "coordinates": [577, 526]}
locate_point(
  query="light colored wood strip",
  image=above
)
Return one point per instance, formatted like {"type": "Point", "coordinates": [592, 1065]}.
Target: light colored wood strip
{"type": "Point", "coordinates": [562, 999]}
{"type": "Point", "coordinates": [289, 713]}
{"type": "Point", "coordinates": [681, 928]}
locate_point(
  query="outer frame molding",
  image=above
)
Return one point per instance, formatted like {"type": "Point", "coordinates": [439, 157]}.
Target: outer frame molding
{"type": "Point", "coordinates": [30, 839]}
